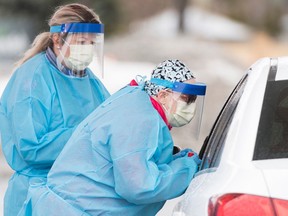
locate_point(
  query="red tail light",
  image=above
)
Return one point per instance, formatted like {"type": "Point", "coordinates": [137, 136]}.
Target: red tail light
{"type": "Point", "coordinates": [246, 204]}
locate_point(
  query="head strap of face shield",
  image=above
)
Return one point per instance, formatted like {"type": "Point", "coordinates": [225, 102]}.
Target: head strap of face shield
{"type": "Point", "coordinates": [184, 88]}
{"type": "Point", "coordinates": [78, 28]}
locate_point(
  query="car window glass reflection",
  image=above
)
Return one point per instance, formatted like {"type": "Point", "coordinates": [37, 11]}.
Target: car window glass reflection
{"type": "Point", "coordinates": [272, 135]}
{"type": "Point", "coordinates": [216, 139]}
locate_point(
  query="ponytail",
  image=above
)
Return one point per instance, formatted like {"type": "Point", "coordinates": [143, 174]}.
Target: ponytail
{"type": "Point", "coordinates": [40, 44]}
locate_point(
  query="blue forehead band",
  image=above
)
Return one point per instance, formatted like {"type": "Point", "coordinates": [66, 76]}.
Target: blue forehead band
{"type": "Point", "coordinates": [78, 28]}
{"type": "Point", "coordinates": [184, 88]}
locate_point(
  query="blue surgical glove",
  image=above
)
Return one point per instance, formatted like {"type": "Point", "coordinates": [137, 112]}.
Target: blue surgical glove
{"type": "Point", "coordinates": [182, 153]}
{"type": "Point", "coordinates": [196, 158]}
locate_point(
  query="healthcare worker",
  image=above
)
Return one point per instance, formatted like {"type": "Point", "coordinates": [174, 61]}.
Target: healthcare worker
{"type": "Point", "coordinates": [119, 160]}
{"type": "Point", "coordinates": [50, 92]}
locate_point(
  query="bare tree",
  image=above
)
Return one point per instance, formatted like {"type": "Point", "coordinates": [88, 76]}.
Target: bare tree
{"type": "Point", "coordinates": [180, 6]}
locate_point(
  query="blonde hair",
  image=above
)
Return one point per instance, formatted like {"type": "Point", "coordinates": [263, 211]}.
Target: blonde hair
{"type": "Point", "coordinates": [64, 14]}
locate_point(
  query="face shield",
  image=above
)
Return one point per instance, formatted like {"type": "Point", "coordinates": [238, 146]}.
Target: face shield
{"type": "Point", "coordinates": [81, 46]}
{"type": "Point", "coordinates": [183, 102]}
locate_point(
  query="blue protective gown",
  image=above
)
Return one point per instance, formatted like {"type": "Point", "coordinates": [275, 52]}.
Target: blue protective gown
{"type": "Point", "coordinates": [117, 162]}
{"type": "Point", "coordinates": [39, 110]}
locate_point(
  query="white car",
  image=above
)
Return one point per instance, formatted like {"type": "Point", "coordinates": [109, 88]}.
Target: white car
{"type": "Point", "coordinates": [244, 168]}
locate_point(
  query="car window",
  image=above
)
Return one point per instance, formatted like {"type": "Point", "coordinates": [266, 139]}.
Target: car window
{"type": "Point", "coordinates": [272, 135]}
{"type": "Point", "coordinates": [213, 144]}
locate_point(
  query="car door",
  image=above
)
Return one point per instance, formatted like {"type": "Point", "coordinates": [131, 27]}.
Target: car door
{"type": "Point", "coordinates": [210, 154]}
{"type": "Point", "coordinates": [211, 150]}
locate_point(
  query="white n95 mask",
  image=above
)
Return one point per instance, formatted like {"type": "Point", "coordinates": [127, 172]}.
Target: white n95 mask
{"type": "Point", "coordinates": [80, 57]}
{"type": "Point", "coordinates": [183, 115]}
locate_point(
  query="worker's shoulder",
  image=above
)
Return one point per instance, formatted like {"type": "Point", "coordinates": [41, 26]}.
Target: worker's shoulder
{"type": "Point", "coordinates": [34, 61]}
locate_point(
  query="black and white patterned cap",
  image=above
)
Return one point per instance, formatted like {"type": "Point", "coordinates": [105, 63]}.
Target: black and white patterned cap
{"type": "Point", "coordinates": [170, 70]}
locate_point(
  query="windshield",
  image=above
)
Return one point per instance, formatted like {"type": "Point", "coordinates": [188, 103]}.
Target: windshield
{"type": "Point", "coordinates": [272, 135]}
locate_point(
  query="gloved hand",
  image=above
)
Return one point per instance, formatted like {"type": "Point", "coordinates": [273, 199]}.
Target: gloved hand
{"type": "Point", "coordinates": [182, 153]}
{"type": "Point", "coordinates": [196, 158]}
{"type": "Point", "coordinates": [188, 153]}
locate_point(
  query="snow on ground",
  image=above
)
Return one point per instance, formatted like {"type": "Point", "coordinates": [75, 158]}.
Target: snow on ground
{"type": "Point", "coordinates": [197, 22]}
{"type": "Point", "coordinates": [3, 82]}
{"type": "Point", "coordinates": [117, 74]}
{"type": "Point", "coordinates": [13, 43]}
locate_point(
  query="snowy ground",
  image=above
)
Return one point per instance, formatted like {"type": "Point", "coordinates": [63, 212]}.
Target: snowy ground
{"type": "Point", "coordinates": [140, 51]}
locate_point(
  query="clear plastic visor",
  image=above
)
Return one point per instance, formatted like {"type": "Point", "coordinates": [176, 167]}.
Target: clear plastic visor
{"type": "Point", "coordinates": [81, 46]}
{"type": "Point", "coordinates": [184, 110]}
{"type": "Point", "coordinates": [184, 104]}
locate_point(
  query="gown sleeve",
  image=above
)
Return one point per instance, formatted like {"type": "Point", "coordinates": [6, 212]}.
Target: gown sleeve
{"type": "Point", "coordinates": [35, 143]}
{"type": "Point", "coordinates": [37, 132]}
{"type": "Point", "coordinates": [140, 177]}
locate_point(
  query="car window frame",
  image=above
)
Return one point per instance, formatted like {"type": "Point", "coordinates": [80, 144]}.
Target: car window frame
{"type": "Point", "coordinates": [215, 141]}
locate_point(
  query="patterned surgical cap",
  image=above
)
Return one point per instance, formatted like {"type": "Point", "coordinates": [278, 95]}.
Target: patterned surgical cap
{"type": "Point", "coordinates": [171, 70]}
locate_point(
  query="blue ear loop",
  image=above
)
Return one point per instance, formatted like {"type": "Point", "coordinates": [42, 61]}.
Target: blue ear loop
{"type": "Point", "coordinates": [184, 88]}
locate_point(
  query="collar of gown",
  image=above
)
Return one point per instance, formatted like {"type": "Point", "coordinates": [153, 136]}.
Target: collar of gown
{"type": "Point", "coordinates": [156, 106]}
